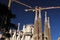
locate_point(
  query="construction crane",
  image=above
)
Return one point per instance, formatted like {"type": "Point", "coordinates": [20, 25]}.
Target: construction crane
{"type": "Point", "coordinates": [10, 1]}
{"type": "Point", "coordinates": [41, 8]}
{"type": "Point", "coordinates": [37, 10]}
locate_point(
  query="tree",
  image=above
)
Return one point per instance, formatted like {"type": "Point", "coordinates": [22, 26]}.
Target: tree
{"type": "Point", "coordinates": [5, 20]}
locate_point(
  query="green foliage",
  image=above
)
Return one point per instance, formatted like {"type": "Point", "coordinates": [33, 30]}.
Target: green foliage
{"type": "Point", "coordinates": [5, 20]}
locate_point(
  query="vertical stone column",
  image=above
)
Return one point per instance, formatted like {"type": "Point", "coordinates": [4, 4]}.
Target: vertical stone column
{"type": "Point", "coordinates": [35, 35]}
{"type": "Point", "coordinates": [40, 24]}
{"type": "Point", "coordinates": [37, 25]}
{"type": "Point", "coordinates": [49, 32]}
{"type": "Point", "coordinates": [46, 27]}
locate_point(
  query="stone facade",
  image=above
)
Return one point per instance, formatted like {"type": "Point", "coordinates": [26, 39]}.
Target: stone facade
{"type": "Point", "coordinates": [33, 31]}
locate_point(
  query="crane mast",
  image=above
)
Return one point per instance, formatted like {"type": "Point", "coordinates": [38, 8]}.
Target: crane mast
{"type": "Point", "coordinates": [9, 3]}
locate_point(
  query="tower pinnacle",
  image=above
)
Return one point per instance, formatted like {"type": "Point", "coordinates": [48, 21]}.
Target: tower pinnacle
{"type": "Point", "coordinates": [39, 13]}
{"type": "Point", "coordinates": [18, 26]}
{"type": "Point", "coordinates": [45, 16]}
{"type": "Point", "coordinates": [46, 27]}
{"type": "Point", "coordinates": [48, 23]}
{"type": "Point", "coordinates": [35, 13]}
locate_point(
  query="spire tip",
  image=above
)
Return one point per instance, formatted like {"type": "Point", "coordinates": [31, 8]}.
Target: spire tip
{"type": "Point", "coordinates": [45, 16]}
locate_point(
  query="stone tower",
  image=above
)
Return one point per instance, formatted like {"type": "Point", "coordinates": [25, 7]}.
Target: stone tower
{"type": "Point", "coordinates": [37, 25]}
{"type": "Point", "coordinates": [47, 33]}
{"type": "Point", "coordinates": [46, 27]}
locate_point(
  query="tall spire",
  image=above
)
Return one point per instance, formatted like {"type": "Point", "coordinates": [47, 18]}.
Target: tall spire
{"type": "Point", "coordinates": [49, 32]}
{"type": "Point", "coordinates": [24, 28]}
{"type": "Point", "coordinates": [46, 27]}
{"type": "Point", "coordinates": [18, 26]}
{"type": "Point", "coordinates": [36, 16]}
{"type": "Point", "coordinates": [35, 13]}
{"type": "Point", "coordinates": [35, 35]}
{"type": "Point", "coordinates": [37, 25]}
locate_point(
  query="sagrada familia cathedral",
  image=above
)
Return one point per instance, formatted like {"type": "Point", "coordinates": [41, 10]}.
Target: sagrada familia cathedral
{"type": "Point", "coordinates": [33, 31]}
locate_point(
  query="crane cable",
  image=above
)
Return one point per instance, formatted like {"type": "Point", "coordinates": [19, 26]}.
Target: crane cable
{"type": "Point", "coordinates": [22, 4]}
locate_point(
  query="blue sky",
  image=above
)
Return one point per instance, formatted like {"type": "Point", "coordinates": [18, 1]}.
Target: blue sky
{"type": "Point", "coordinates": [28, 17]}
